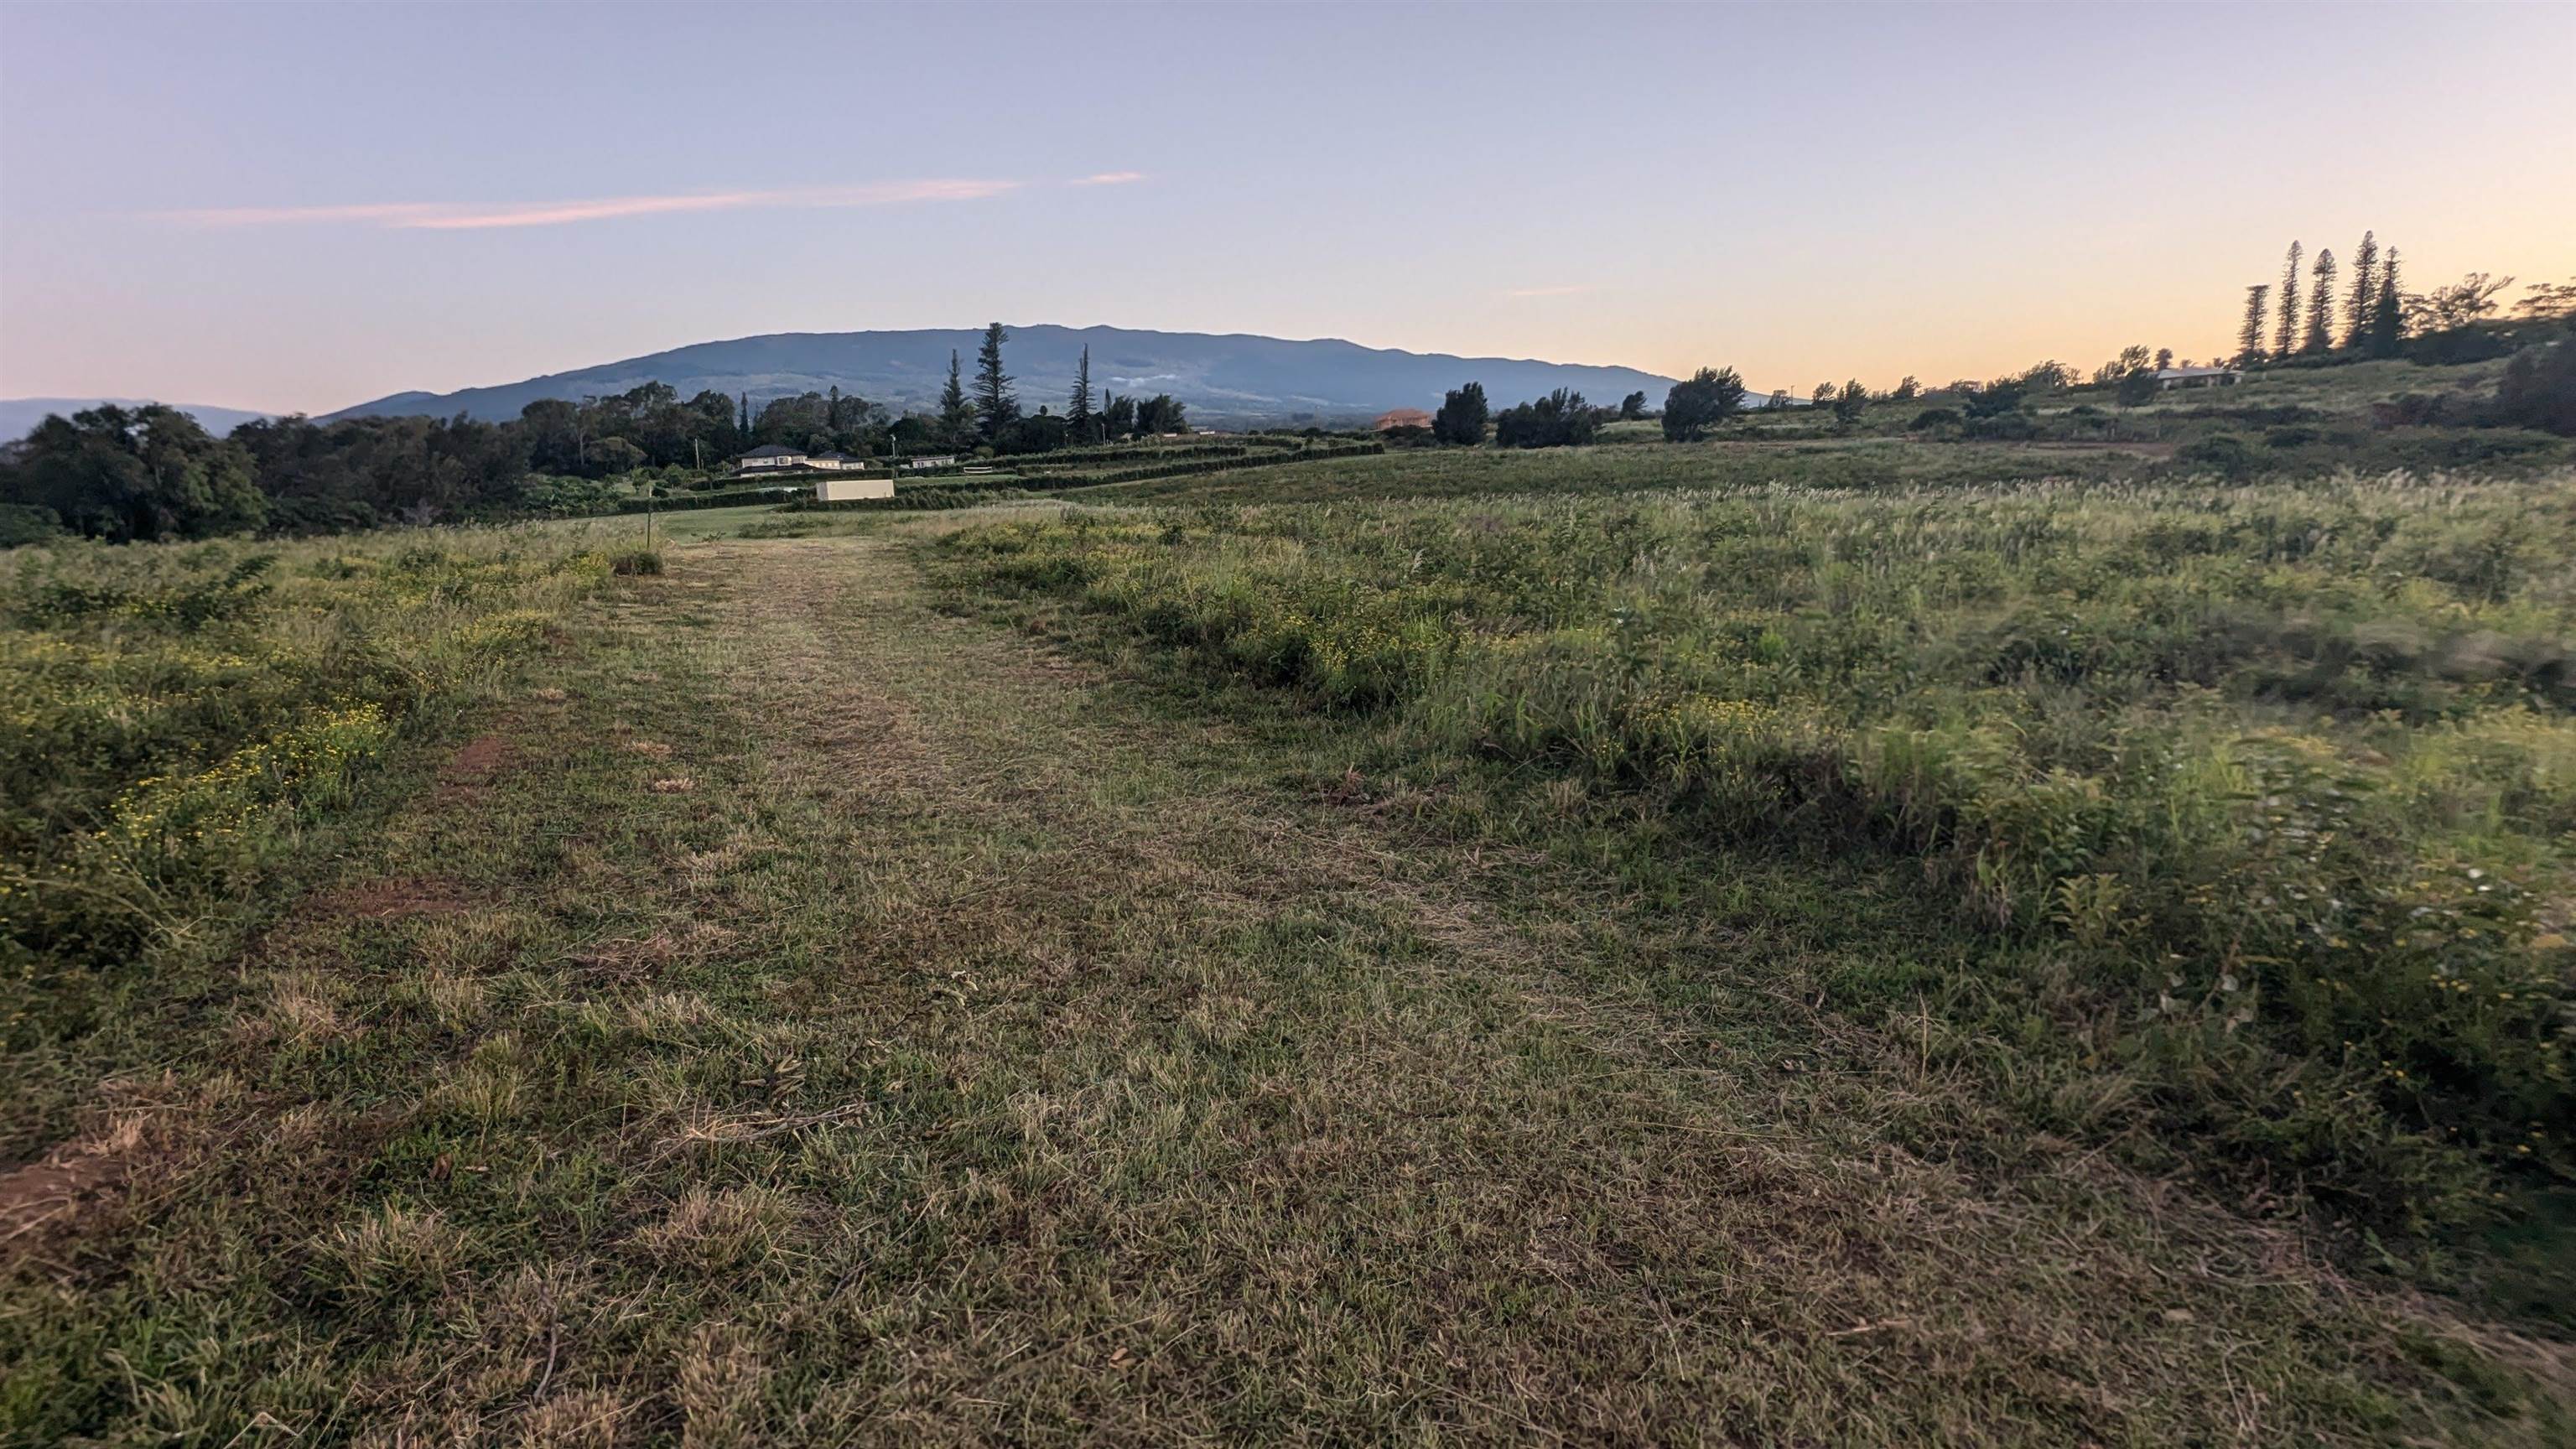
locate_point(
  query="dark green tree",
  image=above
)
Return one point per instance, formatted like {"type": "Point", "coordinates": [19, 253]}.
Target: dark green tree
{"type": "Point", "coordinates": [1077, 412]}
{"type": "Point", "coordinates": [1632, 407]}
{"type": "Point", "coordinates": [2249, 338]}
{"type": "Point", "coordinates": [2321, 298]}
{"type": "Point", "coordinates": [996, 406]}
{"type": "Point", "coordinates": [2365, 296]}
{"type": "Point", "coordinates": [1462, 416]}
{"type": "Point", "coordinates": [956, 414]}
{"type": "Point", "coordinates": [135, 474]}
{"type": "Point", "coordinates": [2538, 389]}
{"type": "Point", "coordinates": [1560, 419]}
{"type": "Point", "coordinates": [1850, 403]}
{"type": "Point", "coordinates": [2388, 311]}
{"type": "Point", "coordinates": [1118, 417]}
{"type": "Point", "coordinates": [1700, 402]}
{"type": "Point", "coordinates": [2285, 338]}
{"type": "Point", "coordinates": [1160, 414]}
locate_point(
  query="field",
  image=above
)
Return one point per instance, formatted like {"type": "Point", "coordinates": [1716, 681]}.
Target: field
{"type": "Point", "coordinates": [1836, 941]}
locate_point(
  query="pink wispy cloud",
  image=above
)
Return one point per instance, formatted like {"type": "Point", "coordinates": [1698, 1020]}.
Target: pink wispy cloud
{"type": "Point", "coordinates": [462, 216]}
{"type": "Point", "coordinates": [1107, 178]}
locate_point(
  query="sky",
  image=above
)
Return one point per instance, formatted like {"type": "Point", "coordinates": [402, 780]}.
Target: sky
{"type": "Point", "coordinates": [298, 207]}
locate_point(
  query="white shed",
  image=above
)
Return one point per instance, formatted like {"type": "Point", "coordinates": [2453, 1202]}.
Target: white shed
{"type": "Point", "coordinates": [842, 490]}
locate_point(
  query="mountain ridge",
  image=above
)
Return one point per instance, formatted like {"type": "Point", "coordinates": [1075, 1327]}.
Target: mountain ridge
{"type": "Point", "coordinates": [1240, 377]}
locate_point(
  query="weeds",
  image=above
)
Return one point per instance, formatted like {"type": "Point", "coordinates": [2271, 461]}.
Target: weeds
{"type": "Point", "coordinates": [172, 719]}
{"type": "Point", "coordinates": [2281, 773]}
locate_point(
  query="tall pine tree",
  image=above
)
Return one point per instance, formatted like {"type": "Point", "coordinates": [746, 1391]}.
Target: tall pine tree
{"type": "Point", "coordinates": [1077, 410]}
{"type": "Point", "coordinates": [956, 415]}
{"type": "Point", "coordinates": [2249, 341]}
{"type": "Point", "coordinates": [2388, 311]}
{"type": "Point", "coordinates": [2285, 338]}
{"type": "Point", "coordinates": [2356, 310]}
{"type": "Point", "coordinates": [2321, 302]}
{"type": "Point", "coordinates": [995, 404]}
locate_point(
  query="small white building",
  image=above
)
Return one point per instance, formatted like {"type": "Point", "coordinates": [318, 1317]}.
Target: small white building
{"type": "Point", "coordinates": [835, 462]}
{"type": "Point", "coordinates": [934, 460]}
{"type": "Point", "coordinates": [852, 487]}
{"type": "Point", "coordinates": [771, 459]}
{"type": "Point", "coordinates": [2169, 378]}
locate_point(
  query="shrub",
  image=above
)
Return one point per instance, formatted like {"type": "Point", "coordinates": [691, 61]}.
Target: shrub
{"type": "Point", "coordinates": [2538, 389]}
{"type": "Point", "coordinates": [1560, 419]}
{"type": "Point", "coordinates": [2224, 454]}
{"type": "Point", "coordinates": [22, 523]}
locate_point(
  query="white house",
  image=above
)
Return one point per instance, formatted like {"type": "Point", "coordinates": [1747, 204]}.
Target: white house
{"type": "Point", "coordinates": [771, 459]}
{"type": "Point", "coordinates": [835, 461]}
{"type": "Point", "coordinates": [842, 490]}
{"type": "Point", "coordinates": [935, 460]}
{"type": "Point", "coordinates": [2169, 378]}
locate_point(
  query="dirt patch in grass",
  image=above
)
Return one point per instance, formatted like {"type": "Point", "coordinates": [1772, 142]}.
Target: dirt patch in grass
{"type": "Point", "coordinates": [480, 762]}
{"type": "Point", "coordinates": [39, 1200]}
{"type": "Point", "coordinates": [392, 899]}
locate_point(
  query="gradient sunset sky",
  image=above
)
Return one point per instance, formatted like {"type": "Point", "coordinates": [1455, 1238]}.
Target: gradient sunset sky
{"type": "Point", "coordinates": [299, 207]}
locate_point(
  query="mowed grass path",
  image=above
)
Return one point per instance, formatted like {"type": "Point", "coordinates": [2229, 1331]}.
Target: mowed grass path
{"type": "Point", "coordinates": [811, 1017]}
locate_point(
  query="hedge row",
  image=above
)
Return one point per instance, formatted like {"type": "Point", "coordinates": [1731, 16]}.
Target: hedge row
{"type": "Point", "coordinates": [916, 501]}
{"type": "Point", "coordinates": [730, 498]}
{"type": "Point", "coordinates": [1218, 465]}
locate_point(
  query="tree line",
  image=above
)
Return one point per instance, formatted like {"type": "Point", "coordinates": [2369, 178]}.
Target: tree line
{"type": "Point", "coordinates": [2321, 316]}
{"type": "Point", "coordinates": [152, 472]}
{"type": "Point", "coordinates": [990, 416]}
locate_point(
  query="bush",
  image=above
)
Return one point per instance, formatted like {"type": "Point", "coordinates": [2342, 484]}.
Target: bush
{"type": "Point", "coordinates": [22, 523]}
{"type": "Point", "coordinates": [1700, 402]}
{"type": "Point", "coordinates": [2224, 454]}
{"type": "Point", "coordinates": [1559, 420]}
{"type": "Point", "coordinates": [2538, 389]}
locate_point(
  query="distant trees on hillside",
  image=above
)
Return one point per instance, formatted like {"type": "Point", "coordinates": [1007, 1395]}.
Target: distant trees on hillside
{"type": "Point", "coordinates": [1078, 417]}
{"type": "Point", "coordinates": [2249, 337]}
{"type": "Point", "coordinates": [2286, 338]}
{"type": "Point", "coordinates": [2378, 317]}
{"type": "Point", "coordinates": [2321, 300]}
{"type": "Point", "coordinates": [1560, 419]}
{"type": "Point", "coordinates": [1700, 402]}
{"type": "Point", "coordinates": [134, 474]}
{"type": "Point", "coordinates": [1462, 416]}
{"type": "Point", "coordinates": [2364, 297]}
{"type": "Point", "coordinates": [956, 413]}
{"type": "Point", "coordinates": [996, 406]}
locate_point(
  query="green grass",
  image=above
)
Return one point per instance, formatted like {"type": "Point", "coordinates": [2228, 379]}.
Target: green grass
{"type": "Point", "coordinates": [786, 1001]}
{"type": "Point", "coordinates": [2260, 794]}
{"type": "Point", "coordinates": [1448, 472]}
{"type": "Point", "coordinates": [180, 718]}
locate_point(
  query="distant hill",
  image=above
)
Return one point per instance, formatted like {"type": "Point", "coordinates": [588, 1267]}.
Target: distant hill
{"type": "Point", "coordinates": [1222, 378]}
{"type": "Point", "coordinates": [19, 415]}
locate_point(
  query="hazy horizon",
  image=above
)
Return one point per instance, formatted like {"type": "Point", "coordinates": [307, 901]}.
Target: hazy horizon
{"type": "Point", "coordinates": [298, 207]}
